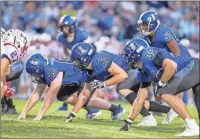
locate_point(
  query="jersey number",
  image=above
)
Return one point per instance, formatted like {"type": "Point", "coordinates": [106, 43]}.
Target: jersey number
{"type": "Point", "coordinates": [14, 56]}
{"type": "Point", "coordinates": [150, 54]}
{"type": "Point", "coordinates": [103, 61]}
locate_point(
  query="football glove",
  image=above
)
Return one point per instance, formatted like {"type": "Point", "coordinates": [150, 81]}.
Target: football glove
{"type": "Point", "coordinates": [97, 84]}
{"type": "Point", "coordinates": [9, 92]}
{"type": "Point", "coordinates": [127, 125]}
{"type": "Point", "coordinates": [70, 117]}
{"type": "Point", "coordinates": [157, 87]}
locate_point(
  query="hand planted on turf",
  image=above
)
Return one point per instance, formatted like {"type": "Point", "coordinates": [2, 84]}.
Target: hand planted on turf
{"type": "Point", "coordinates": [22, 116]}
{"type": "Point", "coordinates": [37, 118]}
{"type": "Point", "coordinates": [126, 125]}
{"type": "Point", "coordinates": [70, 117]}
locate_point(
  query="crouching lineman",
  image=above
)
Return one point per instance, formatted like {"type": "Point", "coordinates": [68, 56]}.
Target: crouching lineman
{"type": "Point", "coordinates": [110, 69]}
{"type": "Point", "coordinates": [68, 36]}
{"type": "Point", "coordinates": [13, 47]}
{"type": "Point", "coordinates": [64, 79]}
{"type": "Point", "coordinates": [6, 101]}
{"type": "Point", "coordinates": [175, 76]}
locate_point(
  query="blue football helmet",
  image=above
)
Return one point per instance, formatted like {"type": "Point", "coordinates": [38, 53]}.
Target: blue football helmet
{"type": "Point", "coordinates": [148, 22]}
{"type": "Point", "coordinates": [35, 67]}
{"type": "Point", "coordinates": [83, 53]}
{"type": "Point", "coordinates": [68, 20]}
{"type": "Point", "coordinates": [133, 49]}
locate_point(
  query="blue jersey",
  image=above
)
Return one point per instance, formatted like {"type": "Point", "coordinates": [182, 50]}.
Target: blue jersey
{"type": "Point", "coordinates": [71, 76]}
{"type": "Point", "coordinates": [80, 36]}
{"type": "Point", "coordinates": [150, 71]}
{"type": "Point", "coordinates": [102, 61]}
{"type": "Point", "coordinates": [163, 35]}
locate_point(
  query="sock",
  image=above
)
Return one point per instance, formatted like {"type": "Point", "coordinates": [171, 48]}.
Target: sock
{"type": "Point", "coordinates": [130, 98]}
{"type": "Point", "coordinates": [9, 102]}
{"type": "Point", "coordinates": [92, 109]}
{"type": "Point", "coordinates": [87, 109]}
{"type": "Point", "coordinates": [3, 102]}
{"type": "Point", "coordinates": [65, 104]}
{"type": "Point", "coordinates": [113, 107]}
{"type": "Point", "coordinates": [154, 106]}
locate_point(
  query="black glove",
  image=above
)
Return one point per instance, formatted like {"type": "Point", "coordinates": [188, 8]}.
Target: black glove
{"type": "Point", "coordinates": [70, 117]}
{"type": "Point", "coordinates": [97, 84]}
{"type": "Point", "coordinates": [127, 125]}
{"type": "Point", "coordinates": [157, 87]}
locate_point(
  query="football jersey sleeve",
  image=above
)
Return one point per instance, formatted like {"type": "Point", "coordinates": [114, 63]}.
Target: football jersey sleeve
{"type": "Point", "coordinates": [166, 35]}
{"type": "Point", "coordinates": [59, 37]}
{"type": "Point", "coordinates": [50, 75]}
{"type": "Point", "coordinates": [11, 52]}
{"type": "Point", "coordinates": [104, 61]}
{"type": "Point", "coordinates": [85, 35]}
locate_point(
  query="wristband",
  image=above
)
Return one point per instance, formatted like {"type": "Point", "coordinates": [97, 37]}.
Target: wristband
{"type": "Point", "coordinates": [129, 120]}
{"type": "Point", "coordinates": [104, 83]}
{"type": "Point", "coordinates": [73, 113]}
{"type": "Point", "coordinates": [160, 83]}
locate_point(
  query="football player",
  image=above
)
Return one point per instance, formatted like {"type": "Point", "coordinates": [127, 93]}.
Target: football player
{"type": "Point", "coordinates": [110, 69]}
{"type": "Point", "coordinates": [170, 76]}
{"type": "Point", "coordinates": [161, 36]}
{"type": "Point", "coordinates": [68, 36]}
{"type": "Point", "coordinates": [64, 79]}
{"type": "Point", "coordinates": [13, 48]}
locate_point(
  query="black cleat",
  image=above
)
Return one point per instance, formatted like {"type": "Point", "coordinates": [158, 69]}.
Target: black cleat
{"type": "Point", "coordinates": [11, 111]}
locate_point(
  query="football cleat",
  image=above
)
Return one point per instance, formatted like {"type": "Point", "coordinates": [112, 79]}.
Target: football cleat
{"type": "Point", "coordinates": [116, 114]}
{"type": "Point", "coordinates": [92, 114]}
{"type": "Point", "coordinates": [171, 115]}
{"type": "Point", "coordinates": [191, 128]}
{"type": "Point", "coordinates": [148, 121]}
{"type": "Point", "coordinates": [64, 107]}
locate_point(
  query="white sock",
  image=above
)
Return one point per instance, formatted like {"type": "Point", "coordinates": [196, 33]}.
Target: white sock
{"type": "Point", "coordinates": [191, 123]}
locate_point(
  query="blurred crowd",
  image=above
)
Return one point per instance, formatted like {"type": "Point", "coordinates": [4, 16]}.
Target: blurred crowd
{"type": "Point", "coordinates": [110, 25]}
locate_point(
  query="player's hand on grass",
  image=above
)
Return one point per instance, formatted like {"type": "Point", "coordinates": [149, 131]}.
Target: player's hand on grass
{"type": "Point", "coordinates": [126, 125]}
{"type": "Point", "coordinates": [22, 116]}
{"type": "Point", "coordinates": [37, 118]}
{"type": "Point", "coordinates": [70, 117]}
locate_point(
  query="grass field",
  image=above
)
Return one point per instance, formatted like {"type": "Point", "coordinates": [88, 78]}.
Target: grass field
{"type": "Point", "coordinates": [53, 126]}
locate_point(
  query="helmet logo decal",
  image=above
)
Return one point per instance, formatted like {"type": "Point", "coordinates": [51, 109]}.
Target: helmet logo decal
{"type": "Point", "coordinates": [90, 52]}
{"type": "Point", "coordinates": [82, 50]}
{"type": "Point", "coordinates": [151, 18]}
{"type": "Point", "coordinates": [66, 22]}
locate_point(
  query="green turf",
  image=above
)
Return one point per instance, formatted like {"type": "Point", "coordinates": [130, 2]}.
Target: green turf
{"type": "Point", "coordinates": [53, 126]}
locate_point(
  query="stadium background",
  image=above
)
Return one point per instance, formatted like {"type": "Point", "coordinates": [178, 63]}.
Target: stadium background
{"type": "Point", "coordinates": [110, 24]}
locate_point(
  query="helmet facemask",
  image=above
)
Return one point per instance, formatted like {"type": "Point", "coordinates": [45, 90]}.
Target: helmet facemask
{"type": "Point", "coordinates": [143, 28]}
